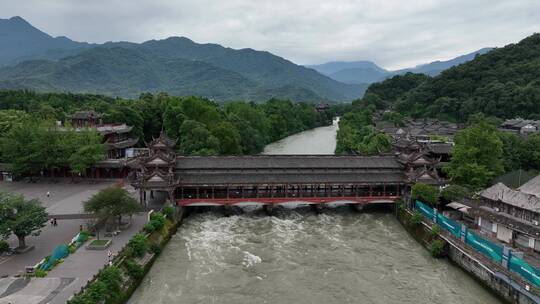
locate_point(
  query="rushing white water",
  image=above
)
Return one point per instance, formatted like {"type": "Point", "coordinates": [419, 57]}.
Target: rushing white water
{"type": "Point", "coordinates": [297, 256]}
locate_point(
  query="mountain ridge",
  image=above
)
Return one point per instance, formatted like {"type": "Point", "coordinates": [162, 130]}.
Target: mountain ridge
{"type": "Point", "coordinates": [263, 73]}
{"type": "Point", "coordinates": [370, 72]}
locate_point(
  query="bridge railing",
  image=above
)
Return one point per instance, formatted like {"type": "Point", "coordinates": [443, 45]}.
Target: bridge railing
{"type": "Point", "coordinates": [285, 191]}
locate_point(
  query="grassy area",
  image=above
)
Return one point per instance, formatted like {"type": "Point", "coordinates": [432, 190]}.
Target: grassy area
{"type": "Point", "coordinates": [98, 242]}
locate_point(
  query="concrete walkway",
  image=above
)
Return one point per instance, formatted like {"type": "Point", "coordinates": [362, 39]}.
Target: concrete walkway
{"type": "Point", "coordinates": [84, 264]}
{"type": "Point", "coordinates": [64, 196]}
{"type": "Point", "coordinates": [67, 278]}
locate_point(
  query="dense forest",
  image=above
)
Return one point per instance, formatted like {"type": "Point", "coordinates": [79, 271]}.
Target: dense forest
{"type": "Point", "coordinates": [203, 127]}
{"type": "Point", "coordinates": [503, 83]}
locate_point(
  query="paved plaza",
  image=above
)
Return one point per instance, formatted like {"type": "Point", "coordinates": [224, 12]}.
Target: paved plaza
{"type": "Point", "coordinates": [66, 278]}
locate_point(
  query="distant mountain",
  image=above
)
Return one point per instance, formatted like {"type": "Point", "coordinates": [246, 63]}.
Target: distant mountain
{"type": "Point", "coordinates": [356, 72]}
{"type": "Point", "coordinates": [175, 65]}
{"type": "Point", "coordinates": [19, 40]}
{"type": "Point", "coordinates": [436, 67]}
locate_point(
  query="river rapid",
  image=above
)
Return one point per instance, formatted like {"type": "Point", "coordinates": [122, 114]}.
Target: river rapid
{"type": "Point", "coordinates": [297, 256]}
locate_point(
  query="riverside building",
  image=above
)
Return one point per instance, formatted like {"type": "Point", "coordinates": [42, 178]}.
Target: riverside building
{"type": "Point", "coordinates": [511, 215]}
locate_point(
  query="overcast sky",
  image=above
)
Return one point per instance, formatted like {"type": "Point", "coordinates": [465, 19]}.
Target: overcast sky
{"type": "Point", "coordinates": [393, 33]}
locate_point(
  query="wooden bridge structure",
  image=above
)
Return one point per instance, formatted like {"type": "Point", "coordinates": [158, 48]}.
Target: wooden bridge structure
{"type": "Point", "coordinates": [267, 179]}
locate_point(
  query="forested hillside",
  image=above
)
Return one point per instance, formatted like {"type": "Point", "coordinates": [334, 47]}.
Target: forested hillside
{"type": "Point", "coordinates": [504, 83]}
{"type": "Point", "coordinates": [175, 65]}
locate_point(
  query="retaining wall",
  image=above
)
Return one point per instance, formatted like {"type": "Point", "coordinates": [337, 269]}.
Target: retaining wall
{"type": "Point", "coordinates": [494, 277]}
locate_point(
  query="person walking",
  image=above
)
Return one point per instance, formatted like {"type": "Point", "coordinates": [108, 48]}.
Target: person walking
{"type": "Point", "coordinates": [109, 255]}
{"type": "Point", "coordinates": [55, 223]}
{"type": "Point", "coordinates": [48, 194]}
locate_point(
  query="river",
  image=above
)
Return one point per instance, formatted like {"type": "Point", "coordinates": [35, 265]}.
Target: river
{"type": "Point", "coordinates": [297, 256]}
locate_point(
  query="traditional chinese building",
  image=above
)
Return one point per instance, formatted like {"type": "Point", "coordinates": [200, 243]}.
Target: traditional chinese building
{"type": "Point", "coordinates": [521, 126]}
{"type": "Point", "coordinates": [116, 137]}
{"type": "Point", "coordinates": [154, 170]}
{"type": "Point", "coordinates": [421, 163]}
{"type": "Point", "coordinates": [511, 215]}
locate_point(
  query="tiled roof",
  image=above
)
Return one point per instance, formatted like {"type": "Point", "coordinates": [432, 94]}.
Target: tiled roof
{"type": "Point", "coordinates": [500, 192]}
{"type": "Point", "coordinates": [308, 177]}
{"type": "Point", "coordinates": [287, 161]}
{"type": "Point", "coordinates": [531, 187]}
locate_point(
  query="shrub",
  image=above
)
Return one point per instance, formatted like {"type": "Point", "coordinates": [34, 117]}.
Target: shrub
{"type": "Point", "coordinates": [97, 291]}
{"type": "Point", "coordinates": [149, 227]}
{"type": "Point", "coordinates": [435, 230]}
{"type": "Point", "coordinates": [155, 248]}
{"type": "Point", "coordinates": [134, 270]}
{"type": "Point", "coordinates": [139, 245]}
{"type": "Point", "coordinates": [72, 248]}
{"type": "Point", "coordinates": [169, 212]}
{"type": "Point", "coordinates": [39, 273]}
{"type": "Point", "coordinates": [425, 193]}
{"type": "Point", "coordinates": [112, 278]}
{"type": "Point", "coordinates": [416, 219]}
{"type": "Point", "coordinates": [437, 248]}
{"type": "Point", "coordinates": [454, 193]}
{"type": "Point", "coordinates": [4, 246]}
{"type": "Point", "coordinates": [157, 220]}
{"type": "Point", "coordinates": [83, 236]}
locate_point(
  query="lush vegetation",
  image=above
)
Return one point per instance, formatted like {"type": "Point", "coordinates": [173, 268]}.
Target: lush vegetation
{"type": "Point", "coordinates": [30, 140]}
{"type": "Point", "coordinates": [20, 217]}
{"type": "Point", "coordinates": [425, 193]}
{"type": "Point", "coordinates": [112, 203]}
{"type": "Point", "coordinates": [436, 248]}
{"type": "Point", "coordinates": [503, 83]}
{"type": "Point", "coordinates": [33, 147]}
{"type": "Point", "coordinates": [105, 289]}
{"type": "Point", "coordinates": [357, 134]}
{"type": "Point", "coordinates": [477, 156]}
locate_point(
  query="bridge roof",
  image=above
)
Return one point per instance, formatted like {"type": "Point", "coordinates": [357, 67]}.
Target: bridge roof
{"type": "Point", "coordinates": [294, 169]}
{"type": "Point", "coordinates": [286, 162]}
{"type": "Point", "coordinates": [282, 178]}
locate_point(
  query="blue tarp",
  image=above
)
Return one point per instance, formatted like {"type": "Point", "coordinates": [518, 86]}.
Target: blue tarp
{"type": "Point", "coordinates": [60, 252]}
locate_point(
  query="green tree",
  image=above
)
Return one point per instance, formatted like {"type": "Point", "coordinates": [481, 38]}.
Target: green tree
{"type": "Point", "coordinates": [21, 147]}
{"type": "Point", "coordinates": [112, 202]}
{"type": "Point", "coordinates": [477, 156]}
{"type": "Point", "coordinates": [196, 139]}
{"type": "Point", "coordinates": [20, 217]}
{"type": "Point", "coordinates": [88, 151]}
{"type": "Point", "coordinates": [425, 193]}
{"type": "Point", "coordinates": [229, 138]}
{"type": "Point", "coordinates": [138, 245]}
{"type": "Point", "coordinates": [454, 193]}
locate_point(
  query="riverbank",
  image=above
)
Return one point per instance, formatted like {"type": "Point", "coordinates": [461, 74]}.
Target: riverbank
{"type": "Point", "coordinates": [117, 281]}
{"type": "Point", "coordinates": [492, 276]}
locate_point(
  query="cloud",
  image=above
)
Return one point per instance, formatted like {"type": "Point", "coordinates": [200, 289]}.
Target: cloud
{"type": "Point", "coordinates": [393, 33]}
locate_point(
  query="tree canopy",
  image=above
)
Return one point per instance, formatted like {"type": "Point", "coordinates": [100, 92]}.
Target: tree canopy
{"type": "Point", "coordinates": [20, 217]}
{"type": "Point", "coordinates": [477, 156]}
{"type": "Point", "coordinates": [112, 202]}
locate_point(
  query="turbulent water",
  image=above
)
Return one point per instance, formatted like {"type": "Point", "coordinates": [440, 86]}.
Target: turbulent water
{"type": "Point", "coordinates": [297, 256]}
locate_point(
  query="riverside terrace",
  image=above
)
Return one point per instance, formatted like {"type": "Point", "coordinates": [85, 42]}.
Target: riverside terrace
{"type": "Point", "coordinates": [269, 179]}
